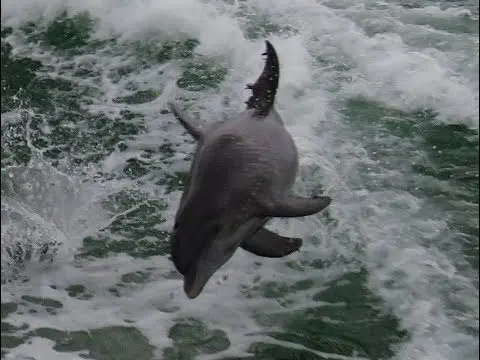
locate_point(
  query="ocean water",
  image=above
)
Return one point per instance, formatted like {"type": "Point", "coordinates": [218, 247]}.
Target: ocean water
{"type": "Point", "coordinates": [381, 98]}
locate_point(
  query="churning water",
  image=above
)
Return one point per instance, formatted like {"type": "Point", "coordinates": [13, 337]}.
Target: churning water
{"type": "Point", "coordinates": [381, 98]}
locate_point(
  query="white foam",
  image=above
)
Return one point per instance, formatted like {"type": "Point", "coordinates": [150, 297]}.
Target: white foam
{"type": "Point", "coordinates": [43, 350]}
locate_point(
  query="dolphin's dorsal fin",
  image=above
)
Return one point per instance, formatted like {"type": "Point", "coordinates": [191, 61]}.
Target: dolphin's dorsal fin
{"type": "Point", "coordinates": [265, 88]}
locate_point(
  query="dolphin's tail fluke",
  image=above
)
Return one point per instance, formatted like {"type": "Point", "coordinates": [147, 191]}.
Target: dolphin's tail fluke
{"type": "Point", "coordinates": [265, 88]}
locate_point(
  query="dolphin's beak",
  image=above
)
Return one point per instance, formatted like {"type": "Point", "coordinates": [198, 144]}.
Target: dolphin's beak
{"type": "Point", "coordinates": [194, 282]}
{"type": "Point", "coordinates": [215, 255]}
{"type": "Point", "coordinates": [191, 291]}
{"type": "Point", "coordinates": [210, 260]}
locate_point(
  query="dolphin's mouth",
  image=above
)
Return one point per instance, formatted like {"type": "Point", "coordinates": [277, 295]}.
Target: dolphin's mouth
{"type": "Point", "coordinates": [216, 254]}
{"type": "Point", "coordinates": [202, 269]}
{"type": "Point", "coordinates": [193, 284]}
{"type": "Point", "coordinates": [200, 272]}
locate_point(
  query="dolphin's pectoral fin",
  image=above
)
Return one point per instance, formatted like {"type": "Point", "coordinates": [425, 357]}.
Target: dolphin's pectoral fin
{"type": "Point", "coordinates": [295, 206]}
{"type": "Point", "coordinates": [269, 244]}
{"type": "Point", "coordinates": [265, 88]}
{"type": "Point", "coordinates": [187, 122]}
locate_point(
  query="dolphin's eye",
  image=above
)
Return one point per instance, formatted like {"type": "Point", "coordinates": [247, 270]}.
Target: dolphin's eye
{"type": "Point", "coordinates": [175, 227]}
{"type": "Point", "coordinates": [217, 228]}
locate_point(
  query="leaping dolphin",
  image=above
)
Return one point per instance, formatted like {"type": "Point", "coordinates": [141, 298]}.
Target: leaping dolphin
{"type": "Point", "coordinates": [240, 178]}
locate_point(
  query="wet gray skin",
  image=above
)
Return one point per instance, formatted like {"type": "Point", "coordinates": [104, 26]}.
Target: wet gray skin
{"type": "Point", "coordinates": [241, 177]}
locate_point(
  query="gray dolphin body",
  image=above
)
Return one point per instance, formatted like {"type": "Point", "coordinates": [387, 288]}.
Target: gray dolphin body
{"type": "Point", "coordinates": [240, 178]}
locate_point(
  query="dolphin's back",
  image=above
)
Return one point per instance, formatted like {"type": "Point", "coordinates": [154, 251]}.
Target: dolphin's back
{"type": "Point", "coordinates": [244, 156]}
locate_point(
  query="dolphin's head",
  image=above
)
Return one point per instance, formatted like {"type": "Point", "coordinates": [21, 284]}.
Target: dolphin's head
{"type": "Point", "coordinates": [200, 248]}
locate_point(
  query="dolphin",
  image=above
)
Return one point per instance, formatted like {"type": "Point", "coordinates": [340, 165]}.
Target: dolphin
{"type": "Point", "coordinates": [240, 177]}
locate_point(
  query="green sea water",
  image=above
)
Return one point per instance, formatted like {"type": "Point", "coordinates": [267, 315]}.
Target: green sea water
{"type": "Point", "coordinates": [382, 101]}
